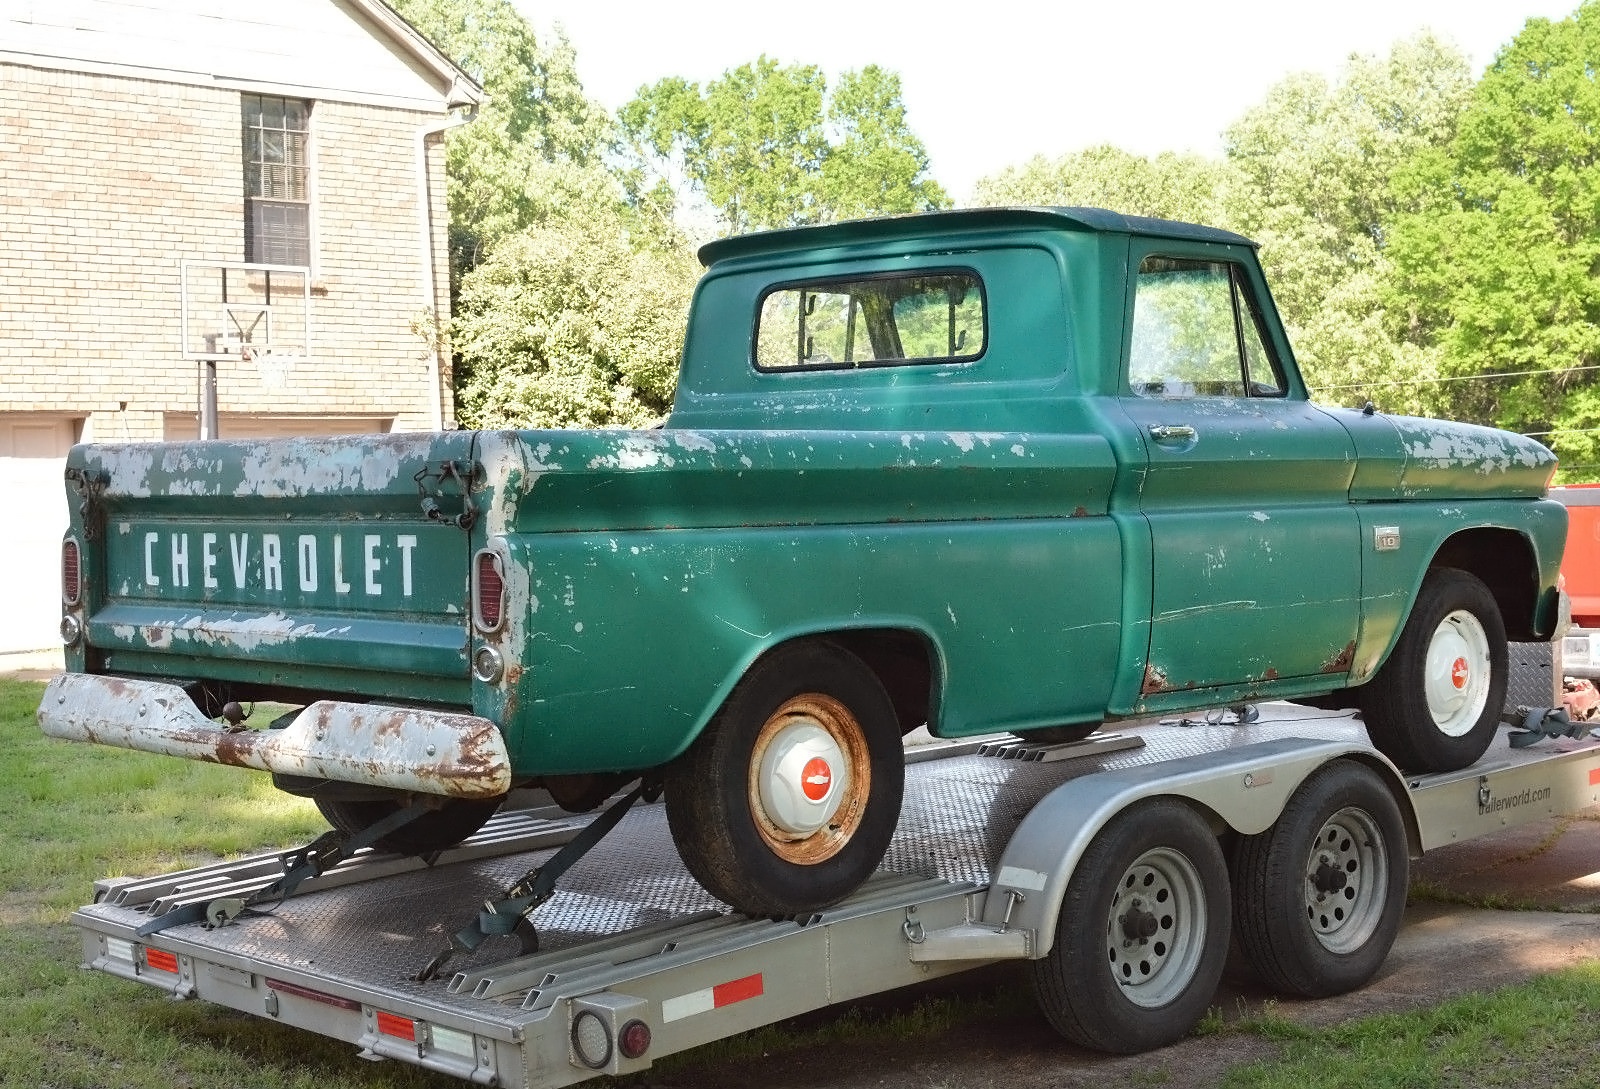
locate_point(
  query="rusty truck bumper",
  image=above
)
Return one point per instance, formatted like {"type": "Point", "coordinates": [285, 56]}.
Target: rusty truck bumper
{"type": "Point", "coordinates": [429, 752]}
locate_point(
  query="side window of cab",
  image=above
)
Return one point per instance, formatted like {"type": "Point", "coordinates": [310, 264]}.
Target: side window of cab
{"type": "Point", "coordinates": [1197, 332]}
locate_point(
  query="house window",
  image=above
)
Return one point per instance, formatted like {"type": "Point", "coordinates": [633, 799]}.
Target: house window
{"type": "Point", "coordinates": [277, 202]}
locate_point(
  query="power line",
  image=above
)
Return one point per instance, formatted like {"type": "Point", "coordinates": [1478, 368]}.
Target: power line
{"type": "Point", "coordinates": [1459, 378]}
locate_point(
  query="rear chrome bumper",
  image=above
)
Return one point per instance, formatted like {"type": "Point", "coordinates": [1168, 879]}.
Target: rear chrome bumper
{"type": "Point", "coordinates": [403, 748]}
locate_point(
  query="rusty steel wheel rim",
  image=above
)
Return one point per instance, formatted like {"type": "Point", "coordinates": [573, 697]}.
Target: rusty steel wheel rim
{"type": "Point", "coordinates": [799, 817]}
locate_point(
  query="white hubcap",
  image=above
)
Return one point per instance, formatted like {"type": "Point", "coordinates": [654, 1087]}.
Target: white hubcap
{"type": "Point", "coordinates": [1456, 678]}
{"type": "Point", "coordinates": [804, 776]}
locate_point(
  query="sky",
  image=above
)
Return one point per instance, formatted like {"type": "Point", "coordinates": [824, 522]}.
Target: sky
{"type": "Point", "coordinates": [990, 84]}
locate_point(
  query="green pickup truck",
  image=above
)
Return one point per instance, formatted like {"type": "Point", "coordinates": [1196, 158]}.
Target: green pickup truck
{"type": "Point", "coordinates": [1028, 470]}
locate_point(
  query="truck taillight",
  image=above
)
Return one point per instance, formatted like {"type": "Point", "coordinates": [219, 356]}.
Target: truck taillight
{"type": "Point", "coordinates": [489, 590]}
{"type": "Point", "coordinates": [71, 572]}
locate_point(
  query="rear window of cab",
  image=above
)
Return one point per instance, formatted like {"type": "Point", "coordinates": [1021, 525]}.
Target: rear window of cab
{"type": "Point", "coordinates": [922, 317]}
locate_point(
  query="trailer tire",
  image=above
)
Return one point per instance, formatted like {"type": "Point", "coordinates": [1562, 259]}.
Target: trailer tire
{"type": "Point", "coordinates": [1318, 898]}
{"type": "Point", "coordinates": [436, 830]}
{"type": "Point", "coordinates": [1143, 932]}
{"type": "Point", "coordinates": [743, 801]}
{"type": "Point", "coordinates": [1436, 703]}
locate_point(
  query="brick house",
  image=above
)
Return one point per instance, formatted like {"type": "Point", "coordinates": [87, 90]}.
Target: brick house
{"type": "Point", "coordinates": [188, 182]}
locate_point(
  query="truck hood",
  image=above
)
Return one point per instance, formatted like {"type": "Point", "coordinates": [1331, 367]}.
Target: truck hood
{"type": "Point", "coordinates": [1404, 457]}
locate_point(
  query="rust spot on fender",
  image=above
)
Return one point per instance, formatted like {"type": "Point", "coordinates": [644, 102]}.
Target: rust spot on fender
{"type": "Point", "coordinates": [1081, 512]}
{"type": "Point", "coordinates": [1340, 663]}
{"type": "Point", "coordinates": [1155, 680]}
{"type": "Point", "coordinates": [1270, 675]}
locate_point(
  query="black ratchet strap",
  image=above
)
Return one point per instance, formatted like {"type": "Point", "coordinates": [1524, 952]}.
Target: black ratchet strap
{"type": "Point", "coordinates": [534, 887]}
{"type": "Point", "coordinates": [314, 859]}
{"type": "Point", "coordinates": [1534, 724]}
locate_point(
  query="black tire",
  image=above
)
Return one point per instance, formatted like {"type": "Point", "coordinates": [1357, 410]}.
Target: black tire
{"type": "Point", "coordinates": [757, 838]}
{"type": "Point", "coordinates": [1143, 932]}
{"type": "Point", "coordinates": [1318, 898]}
{"type": "Point", "coordinates": [435, 830]}
{"type": "Point", "coordinates": [1436, 703]}
{"type": "Point", "coordinates": [1060, 735]}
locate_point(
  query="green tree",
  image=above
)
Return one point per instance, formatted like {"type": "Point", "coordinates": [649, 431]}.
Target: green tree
{"type": "Point", "coordinates": [1185, 187]}
{"type": "Point", "coordinates": [568, 324]}
{"type": "Point", "coordinates": [1314, 162]}
{"type": "Point", "coordinates": [536, 145]}
{"type": "Point", "coordinates": [1496, 262]}
{"type": "Point", "coordinates": [766, 146]}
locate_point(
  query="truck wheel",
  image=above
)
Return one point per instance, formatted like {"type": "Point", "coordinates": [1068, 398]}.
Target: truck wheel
{"type": "Point", "coordinates": [444, 827]}
{"type": "Point", "coordinates": [1143, 932]}
{"type": "Point", "coordinates": [1318, 897]}
{"type": "Point", "coordinates": [787, 801]}
{"type": "Point", "coordinates": [1435, 704]}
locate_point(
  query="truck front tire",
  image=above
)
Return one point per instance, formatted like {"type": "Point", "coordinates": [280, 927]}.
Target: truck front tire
{"type": "Point", "coordinates": [1436, 703]}
{"type": "Point", "coordinates": [787, 801]}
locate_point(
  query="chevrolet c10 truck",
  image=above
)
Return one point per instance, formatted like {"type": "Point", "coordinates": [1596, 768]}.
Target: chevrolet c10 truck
{"type": "Point", "coordinates": [1024, 470]}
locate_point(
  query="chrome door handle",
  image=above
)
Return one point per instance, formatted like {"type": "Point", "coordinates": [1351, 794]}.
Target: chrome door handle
{"type": "Point", "coordinates": [1169, 432]}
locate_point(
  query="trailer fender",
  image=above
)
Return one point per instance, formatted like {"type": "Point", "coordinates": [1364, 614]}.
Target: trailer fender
{"type": "Point", "coordinates": [1243, 789]}
{"type": "Point", "coordinates": [401, 748]}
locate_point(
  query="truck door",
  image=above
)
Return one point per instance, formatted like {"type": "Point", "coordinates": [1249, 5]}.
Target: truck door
{"type": "Point", "coordinates": [1256, 559]}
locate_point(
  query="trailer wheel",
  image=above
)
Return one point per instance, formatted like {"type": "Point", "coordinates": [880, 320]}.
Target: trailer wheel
{"type": "Point", "coordinates": [1318, 897]}
{"type": "Point", "coordinates": [1143, 932]}
{"type": "Point", "coordinates": [787, 801]}
{"type": "Point", "coordinates": [444, 827]}
{"type": "Point", "coordinates": [1435, 704]}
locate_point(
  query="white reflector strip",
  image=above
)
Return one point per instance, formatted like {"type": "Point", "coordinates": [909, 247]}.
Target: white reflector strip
{"type": "Point", "coordinates": [452, 1040]}
{"type": "Point", "coordinates": [121, 950]}
{"type": "Point", "coordinates": [712, 998]}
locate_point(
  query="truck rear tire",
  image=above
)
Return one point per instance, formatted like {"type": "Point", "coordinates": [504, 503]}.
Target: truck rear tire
{"type": "Point", "coordinates": [436, 830]}
{"type": "Point", "coordinates": [787, 801]}
{"type": "Point", "coordinates": [1436, 703]}
{"type": "Point", "coordinates": [1318, 897]}
{"type": "Point", "coordinates": [1143, 932]}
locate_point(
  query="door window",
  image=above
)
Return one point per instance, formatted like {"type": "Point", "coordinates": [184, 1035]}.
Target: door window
{"type": "Point", "coordinates": [1198, 333]}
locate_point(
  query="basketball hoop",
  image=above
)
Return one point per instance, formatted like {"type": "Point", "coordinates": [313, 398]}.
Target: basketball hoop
{"type": "Point", "coordinates": [273, 366]}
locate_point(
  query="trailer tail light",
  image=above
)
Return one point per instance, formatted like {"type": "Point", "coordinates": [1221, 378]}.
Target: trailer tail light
{"type": "Point", "coordinates": [488, 590]}
{"type": "Point", "coordinates": [314, 995]}
{"type": "Point", "coordinates": [71, 572]}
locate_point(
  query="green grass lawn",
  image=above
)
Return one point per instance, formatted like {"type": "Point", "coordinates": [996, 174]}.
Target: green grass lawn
{"type": "Point", "coordinates": [72, 813]}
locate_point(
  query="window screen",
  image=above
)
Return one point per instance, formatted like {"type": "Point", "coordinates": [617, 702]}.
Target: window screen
{"type": "Point", "coordinates": [935, 317]}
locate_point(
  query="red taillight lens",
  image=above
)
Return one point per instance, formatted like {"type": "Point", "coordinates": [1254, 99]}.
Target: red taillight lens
{"type": "Point", "coordinates": [71, 572]}
{"type": "Point", "coordinates": [489, 594]}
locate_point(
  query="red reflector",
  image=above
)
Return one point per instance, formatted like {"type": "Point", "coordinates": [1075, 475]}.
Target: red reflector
{"type": "Point", "coordinates": [161, 961]}
{"type": "Point", "coordinates": [315, 996]}
{"type": "Point", "coordinates": [491, 591]}
{"type": "Point", "coordinates": [71, 572]}
{"type": "Point", "coordinates": [1594, 776]}
{"type": "Point", "coordinates": [393, 1025]}
{"type": "Point", "coordinates": [726, 994]}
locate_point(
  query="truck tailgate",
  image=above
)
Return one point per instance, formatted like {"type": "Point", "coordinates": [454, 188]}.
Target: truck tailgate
{"type": "Point", "coordinates": [329, 564]}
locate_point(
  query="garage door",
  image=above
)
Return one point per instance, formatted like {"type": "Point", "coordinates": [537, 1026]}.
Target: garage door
{"type": "Point", "coordinates": [33, 451]}
{"type": "Point", "coordinates": [182, 426]}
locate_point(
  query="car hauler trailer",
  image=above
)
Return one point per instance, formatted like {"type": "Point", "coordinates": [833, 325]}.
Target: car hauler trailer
{"type": "Point", "coordinates": [1108, 863]}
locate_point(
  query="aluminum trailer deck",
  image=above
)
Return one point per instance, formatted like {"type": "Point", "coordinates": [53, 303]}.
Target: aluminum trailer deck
{"type": "Point", "coordinates": [630, 937]}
